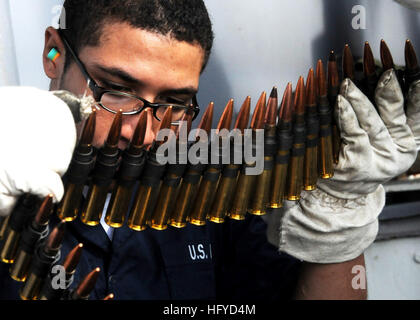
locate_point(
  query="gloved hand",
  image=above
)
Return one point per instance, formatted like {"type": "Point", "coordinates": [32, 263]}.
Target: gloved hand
{"type": "Point", "coordinates": [413, 110]}
{"type": "Point", "coordinates": [338, 221]}
{"type": "Point", "coordinates": [411, 4]}
{"type": "Point", "coordinates": [37, 138]}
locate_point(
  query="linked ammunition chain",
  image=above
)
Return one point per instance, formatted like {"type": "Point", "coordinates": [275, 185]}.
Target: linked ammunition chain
{"type": "Point", "coordinates": [301, 143]}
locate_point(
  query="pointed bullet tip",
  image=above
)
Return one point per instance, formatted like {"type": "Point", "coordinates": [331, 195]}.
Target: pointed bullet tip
{"type": "Point", "coordinates": [286, 107]}
{"type": "Point", "coordinates": [226, 118]}
{"type": "Point", "coordinates": [243, 115]}
{"type": "Point", "coordinates": [273, 93]}
{"type": "Point", "coordinates": [207, 118]}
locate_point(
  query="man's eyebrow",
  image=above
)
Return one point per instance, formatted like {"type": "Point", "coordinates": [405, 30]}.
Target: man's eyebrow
{"type": "Point", "coordinates": [119, 73]}
{"type": "Point", "coordinates": [126, 77]}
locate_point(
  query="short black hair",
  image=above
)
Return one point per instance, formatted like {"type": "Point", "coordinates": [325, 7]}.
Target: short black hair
{"type": "Point", "coordinates": [82, 21]}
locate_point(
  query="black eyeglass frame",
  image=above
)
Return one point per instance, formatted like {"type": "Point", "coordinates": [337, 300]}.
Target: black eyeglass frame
{"type": "Point", "coordinates": [99, 91]}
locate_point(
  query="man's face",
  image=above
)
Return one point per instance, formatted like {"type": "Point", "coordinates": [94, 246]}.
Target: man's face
{"type": "Point", "coordinates": [152, 66]}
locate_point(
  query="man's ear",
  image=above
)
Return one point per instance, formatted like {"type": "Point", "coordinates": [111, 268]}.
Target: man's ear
{"type": "Point", "coordinates": [53, 68]}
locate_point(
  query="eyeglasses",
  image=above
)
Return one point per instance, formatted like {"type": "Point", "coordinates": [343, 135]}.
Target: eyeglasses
{"type": "Point", "coordinates": [113, 100]}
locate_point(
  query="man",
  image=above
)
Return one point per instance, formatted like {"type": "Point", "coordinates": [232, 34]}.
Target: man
{"type": "Point", "coordinates": [156, 50]}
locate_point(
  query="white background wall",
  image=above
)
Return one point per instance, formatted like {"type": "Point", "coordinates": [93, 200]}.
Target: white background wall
{"type": "Point", "coordinates": [260, 44]}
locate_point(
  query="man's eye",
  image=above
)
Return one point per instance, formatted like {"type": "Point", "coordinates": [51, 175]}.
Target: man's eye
{"type": "Point", "coordinates": [176, 101]}
{"type": "Point", "coordinates": [115, 87]}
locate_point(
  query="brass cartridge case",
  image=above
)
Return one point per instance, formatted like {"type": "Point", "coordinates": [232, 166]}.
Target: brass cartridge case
{"type": "Point", "coordinates": [3, 226]}
{"type": "Point", "coordinates": [224, 194]}
{"type": "Point", "coordinates": [183, 205]}
{"type": "Point", "coordinates": [186, 196]}
{"type": "Point", "coordinates": [325, 151]}
{"type": "Point", "coordinates": [21, 266]}
{"type": "Point", "coordinates": [141, 211]}
{"type": "Point", "coordinates": [295, 174]}
{"type": "Point", "coordinates": [336, 142]}
{"type": "Point", "coordinates": [130, 170]}
{"type": "Point", "coordinates": [164, 206]}
{"type": "Point", "coordinates": [326, 157]}
{"type": "Point", "coordinates": [310, 175]}
{"type": "Point", "coordinates": [242, 195]}
{"type": "Point", "coordinates": [68, 208]}
{"type": "Point", "coordinates": [74, 181]}
{"type": "Point", "coordinates": [259, 201]}
{"type": "Point", "coordinates": [32, 288]}
{"type": "Point", "coordinates": [92, 210]}
{"type": "Point", "coordinates": [205, 196]}
{"type": "Point", "coordinates": [116, 211]}
{"type": "Point", "coordinates": [23, 210]}
{"type": "Point", "coordinates": [169, 190]}
{"type": "Point", "coordinates": [19, 269]}
{"type": "Point", "coordinates": [10, 246]}
{"type": "Point", "coordinates": [278, 185]}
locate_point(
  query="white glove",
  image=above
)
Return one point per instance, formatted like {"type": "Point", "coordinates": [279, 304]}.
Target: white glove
{"type": "Point", "coordinates": [338, 221]}
{"type": "Point", "coordinates": [413, 110]}
{"type": "Point", "coordinates": [411, 4]}
{"type": "Point", "coordinates": [37, 138]}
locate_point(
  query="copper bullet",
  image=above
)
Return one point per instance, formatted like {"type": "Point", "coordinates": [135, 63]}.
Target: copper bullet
{"type": "Point", "coordinates": [86, 138]}
{"type": "Point", "coordinates": [137, 141]}
{"type": "Point", "coordinates": [114, 134]}
{"type": "Point", "coordinates": [386, 56]}
{"type": "Point", "coordinates": [412, 69]}
{"type": "Point", "coordinates": [258, 117]}
{"type": "Point", "coordinates": [73, 258]}
{"type": "Point", "coordinates": [86, 286]}
{"type": "Point", "coordinates": [348, 63]}
{"type": "Point", "coordinates": [410, 56]}
{"type": "Point", "coordinates": [207, 118]}
{"type": "Point", "coordinates": [111, 296]}
{"type": "Point", "coordinates": [370, 77]}
{"type": "Point", "coordinates": [54, 240]}
{"type": "Point", "coordinates": [44, 212]}
{"type": "Point", "coordinates": [242, 119]}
